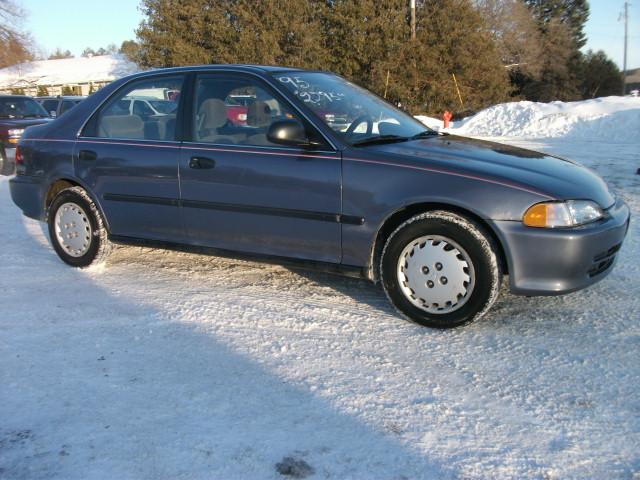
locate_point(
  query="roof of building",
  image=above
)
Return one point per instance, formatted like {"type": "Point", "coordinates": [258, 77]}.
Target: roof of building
{"type": "Point", "coordinates": [67, 71]}
{"type": "Point", "coordinates": [633, 76]}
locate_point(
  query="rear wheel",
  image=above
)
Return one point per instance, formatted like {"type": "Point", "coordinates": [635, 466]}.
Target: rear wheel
{"type": "Point", "coordinates": [440, 270]}
{"type": "Point", "coordinates": [76, 228]}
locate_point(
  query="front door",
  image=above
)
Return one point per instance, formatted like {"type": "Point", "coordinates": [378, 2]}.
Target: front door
{"type": "Point", "coordinates": [240, 191]}
{"type": "Point", "coordinates": [130, 161]}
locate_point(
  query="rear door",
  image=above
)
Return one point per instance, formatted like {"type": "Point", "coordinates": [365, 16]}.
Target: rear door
{"type": "Point", "coordinates": [242, 192]}
{"type": "Point", "coordinates": [131, 163]}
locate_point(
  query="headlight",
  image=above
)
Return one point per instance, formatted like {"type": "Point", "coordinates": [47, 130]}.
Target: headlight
{"type": "Point", "coordinates": [14, 134]}
{"type": "Point", "coordinates": [571, 213]}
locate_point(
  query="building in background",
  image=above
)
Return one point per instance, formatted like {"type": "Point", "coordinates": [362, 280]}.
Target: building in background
{"type": "Point", "coordinates": [67, 76]}
{"type": "Point", "coordinates": [632, 82]}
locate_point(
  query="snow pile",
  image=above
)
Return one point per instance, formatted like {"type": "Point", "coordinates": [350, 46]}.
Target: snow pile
{"type": "Point", "coordinates": [434, 123]}
{"type": "Point", "coordinates": [101, 68]}
{"type": "Point", "coordinates": [614, 119]}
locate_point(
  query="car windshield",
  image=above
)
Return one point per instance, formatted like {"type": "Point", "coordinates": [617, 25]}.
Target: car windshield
{"type": "Point", "coordinates": [15, 107]}
{"type": "Point", "coordinates": [357, 115]}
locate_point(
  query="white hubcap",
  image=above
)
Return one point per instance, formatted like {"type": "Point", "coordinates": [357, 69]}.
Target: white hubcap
{"type": "Point", "coordinates": [73, 229]}
{"type": "Point", "coordinates": [436, 274]}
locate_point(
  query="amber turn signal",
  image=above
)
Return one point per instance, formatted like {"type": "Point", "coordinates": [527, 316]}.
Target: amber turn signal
{"type": "Point", "coordinates": [536, 216]}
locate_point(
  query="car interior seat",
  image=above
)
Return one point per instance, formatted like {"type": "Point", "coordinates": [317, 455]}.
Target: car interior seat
{"type": "Point", "coordinates": [212, 115]}
{"type": "Point", "coordinates": [122, 126]}
{"type": "Point", "coordinates": [259, 118]}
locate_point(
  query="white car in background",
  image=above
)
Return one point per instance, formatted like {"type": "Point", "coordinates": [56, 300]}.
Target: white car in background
{"type": "Point", "coordinates": [146, 107]}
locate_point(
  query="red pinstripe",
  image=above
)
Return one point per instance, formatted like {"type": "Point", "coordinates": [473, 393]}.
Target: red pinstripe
{"type": "Point", "coordinates": [306, 155]}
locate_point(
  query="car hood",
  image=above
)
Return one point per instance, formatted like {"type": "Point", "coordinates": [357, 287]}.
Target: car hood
{"type": "Point", "coordinates": [558, 178]}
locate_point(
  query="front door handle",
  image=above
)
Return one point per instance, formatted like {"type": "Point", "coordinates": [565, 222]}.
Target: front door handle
{"type": "Point", "coordinates": [87, 155]}
{"type": "Point", "coordinates": [202, 163]}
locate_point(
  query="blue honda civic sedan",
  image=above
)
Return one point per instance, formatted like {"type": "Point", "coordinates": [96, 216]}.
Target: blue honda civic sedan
{"type": "Point", "coordinates": [313, 170]}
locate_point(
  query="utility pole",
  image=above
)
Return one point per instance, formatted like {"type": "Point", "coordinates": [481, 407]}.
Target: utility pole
{"type": "Point", "coordinates": [624, 62]}
{"type": "Point", "coordinates": [412, 6]}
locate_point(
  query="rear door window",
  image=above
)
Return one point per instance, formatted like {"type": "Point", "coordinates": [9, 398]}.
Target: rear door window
{"type": "Point", "coordinates": [128, 115]}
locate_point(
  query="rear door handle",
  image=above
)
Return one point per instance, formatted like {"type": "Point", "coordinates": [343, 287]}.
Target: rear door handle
{"type": "Point", "coordinates": [202, 163]}
{"type": "Point", "coordinates": [87, 155]}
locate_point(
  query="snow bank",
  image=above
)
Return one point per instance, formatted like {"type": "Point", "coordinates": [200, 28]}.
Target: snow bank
{"type": "Point", "coordinates": [614, 119]}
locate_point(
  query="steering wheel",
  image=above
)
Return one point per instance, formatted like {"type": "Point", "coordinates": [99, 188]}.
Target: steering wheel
{"type": "Point", "coordinates": [357, 122]}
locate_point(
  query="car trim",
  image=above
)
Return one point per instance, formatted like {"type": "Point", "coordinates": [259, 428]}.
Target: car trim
{"type": "Point", "coordinates": [229, 207]}
{"type": "Point", "coordinates": [194, 146]}
{"type": "Point", "coordinates": [221, 147]}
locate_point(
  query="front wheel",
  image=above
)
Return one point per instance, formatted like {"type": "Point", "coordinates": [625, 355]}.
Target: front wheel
{"type": "Point", "coordinates": [440, 270]}
{"type": "Point", "coordinates": [76, 228]}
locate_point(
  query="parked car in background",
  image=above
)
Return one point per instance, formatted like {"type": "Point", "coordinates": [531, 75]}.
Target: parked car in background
{"type": "Point", "coordinates": [435, 218]}
{"type": "Point", "coordinates": [17, 112]}
{"type": "Point", "coordinates": [146, 107]}
{"type": "Point", "coordinates": [57, 106]}
{"type": "Point", "coordinates": [237, 107]}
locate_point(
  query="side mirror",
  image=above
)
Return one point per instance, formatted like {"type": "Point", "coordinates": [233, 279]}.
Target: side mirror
{"type": "Point", "coordinates": [289, 132]}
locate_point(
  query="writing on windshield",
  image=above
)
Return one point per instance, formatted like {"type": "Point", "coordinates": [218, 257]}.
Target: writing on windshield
{"type": "Point", "coordinates": [309, 93]}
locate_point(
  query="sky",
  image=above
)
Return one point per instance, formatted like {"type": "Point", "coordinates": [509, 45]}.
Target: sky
{"type": "Point", "coordinates": [75, 25]}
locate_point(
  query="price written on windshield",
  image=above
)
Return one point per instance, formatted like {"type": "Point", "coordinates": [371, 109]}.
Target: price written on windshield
{"type": "Point", "coordinates": [305, 91]}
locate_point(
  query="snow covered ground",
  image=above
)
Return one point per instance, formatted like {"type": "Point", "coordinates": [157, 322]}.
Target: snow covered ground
{"type": "Point", "coordinates": [162, 365]}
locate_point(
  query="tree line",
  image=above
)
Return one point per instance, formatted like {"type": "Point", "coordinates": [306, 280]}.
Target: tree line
{"type": "Point", "coordinates": [466, 54]}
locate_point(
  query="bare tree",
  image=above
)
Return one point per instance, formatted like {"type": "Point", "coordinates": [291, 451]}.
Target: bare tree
{"type": "Point", "coordinates": [516, 33]}
{"type": "Point", "coordinates": [10, 16]}
{"type": "Point", "coordinates": [15, 45]}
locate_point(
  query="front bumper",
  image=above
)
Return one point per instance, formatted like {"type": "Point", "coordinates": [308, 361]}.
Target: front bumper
{"type": "Point", "coordinates": [8, 160]}
{"type": "Point", "coordinates": [553, 262]}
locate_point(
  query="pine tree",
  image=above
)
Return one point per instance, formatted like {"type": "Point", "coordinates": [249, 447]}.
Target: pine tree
{"type": "Point", "coordinates": [367, 41]}
{"type": "Point", "coordinates": [130, 49]}
{"type": "Point", "coordinates": [559, 79]}
{"type": "Point", "coordinates": [59, 53]}
{"type": "Point", "coordinates": [600, 76]}
{"type": "Point", "coordinates": [42, 91]}
{"type": "Point", "coordinates": [572, 13]}
{"type": "Point", "coordinates": [561, 23]}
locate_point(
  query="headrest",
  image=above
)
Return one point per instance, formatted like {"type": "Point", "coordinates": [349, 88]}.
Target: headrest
{"type": "Point", "coordinates": [213, 113]}
{"type": "Point", "coordinates": [258, 114]}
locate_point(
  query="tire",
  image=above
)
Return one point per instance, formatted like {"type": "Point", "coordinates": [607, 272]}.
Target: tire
{"type": "Point", "coordinates": [449, 274]}
{"type": "Point", "coordinates": [76, 228]}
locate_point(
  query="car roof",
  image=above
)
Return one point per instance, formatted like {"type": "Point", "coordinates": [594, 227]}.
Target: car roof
{"type": "Point", "coordinates": [237, 67]}
{"type": "Point", "coordinates": [62, 97]}
{"type": "Point", "coordinates": [15, 96]}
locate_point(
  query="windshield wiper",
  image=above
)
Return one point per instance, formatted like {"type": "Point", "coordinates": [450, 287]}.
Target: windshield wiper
{"type": "Point", "coordinates": [425, 134]}
{"type": "Point", "coordinates": [380, 139]}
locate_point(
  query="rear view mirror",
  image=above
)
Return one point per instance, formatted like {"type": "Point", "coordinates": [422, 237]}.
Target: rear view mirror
{"type": "Point", "coordinates": [289, 132]}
